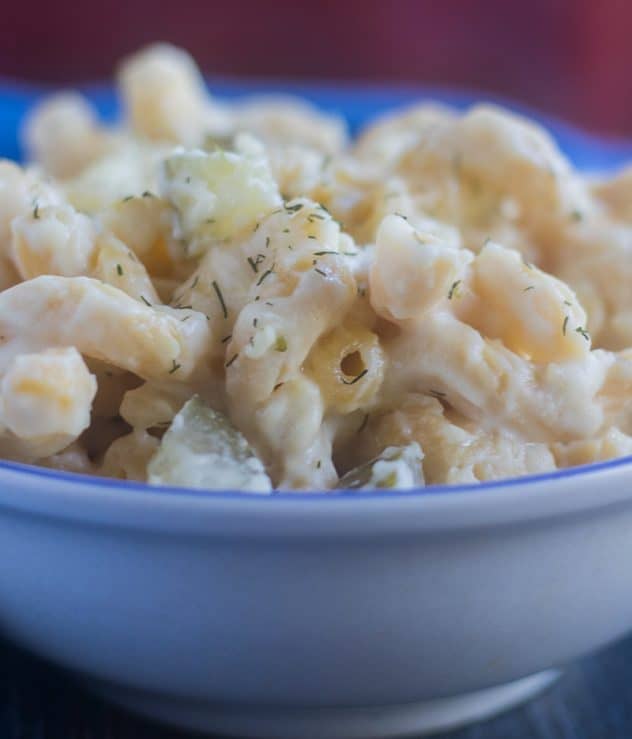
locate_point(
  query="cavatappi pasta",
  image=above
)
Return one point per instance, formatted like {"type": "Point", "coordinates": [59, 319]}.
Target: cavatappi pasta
{"type": "Point", "coordinates": [236, 295]}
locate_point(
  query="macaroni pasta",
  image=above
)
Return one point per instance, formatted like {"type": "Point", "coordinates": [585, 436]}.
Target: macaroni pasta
{"type": "Point", "coordinates": [443, 300]}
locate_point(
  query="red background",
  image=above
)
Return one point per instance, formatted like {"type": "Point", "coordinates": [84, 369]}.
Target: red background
{"type": "Point", "coordinates": [570, 57]}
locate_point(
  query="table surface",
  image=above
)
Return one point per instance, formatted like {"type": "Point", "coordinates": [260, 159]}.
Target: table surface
{"type": "Point", "coordinates": [593, 700]}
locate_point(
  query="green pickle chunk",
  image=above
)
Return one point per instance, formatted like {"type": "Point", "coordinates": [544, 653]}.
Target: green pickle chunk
{"type": "Point", "coordinates": [202, 449]}
{"type": "Point", "coordinates": [396, 468]}
{"type": "Point", "coordinates": [218, 194]}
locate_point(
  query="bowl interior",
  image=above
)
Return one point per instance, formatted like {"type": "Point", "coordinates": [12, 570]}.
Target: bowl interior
{"type": "Point", "coordinates": [357, 104]}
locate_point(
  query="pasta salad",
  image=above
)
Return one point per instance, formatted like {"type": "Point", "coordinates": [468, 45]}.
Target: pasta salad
{"type": "Point", "coordinates": [237, 296]}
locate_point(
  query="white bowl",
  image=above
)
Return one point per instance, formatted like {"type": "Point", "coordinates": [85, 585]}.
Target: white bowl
{"type": "Point", "coordinates": [324, 615]}
{"type": "Point", "coordinates": [316, 615]}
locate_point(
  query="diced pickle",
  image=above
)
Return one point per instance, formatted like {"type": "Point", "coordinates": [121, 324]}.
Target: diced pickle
{"type": "Point", "coordinates": [201, 449]}
{"type": "Point", "coordinates": [397, 467]}
{"type": "Point", "coordinates": [213, 142]}
{"type": "Point", "coordinates": [218, 194]}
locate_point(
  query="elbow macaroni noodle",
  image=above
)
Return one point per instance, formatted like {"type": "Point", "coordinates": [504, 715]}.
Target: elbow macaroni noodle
{"type": "Point", "coordinates": [447, 280]}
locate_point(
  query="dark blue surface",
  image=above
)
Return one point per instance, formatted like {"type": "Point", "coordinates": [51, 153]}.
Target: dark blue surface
{"type": "Point", "coordinates": [592, 701]}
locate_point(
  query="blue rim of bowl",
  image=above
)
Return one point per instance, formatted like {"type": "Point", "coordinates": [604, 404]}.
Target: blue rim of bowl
{"type": "Point", "coordinates": [142, 487]}
{"type": "Point", "coordinates": [355, 102]}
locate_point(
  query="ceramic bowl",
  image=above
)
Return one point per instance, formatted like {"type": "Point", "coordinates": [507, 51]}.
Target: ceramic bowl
{"type": "Point", "coordinates": [317, 615]}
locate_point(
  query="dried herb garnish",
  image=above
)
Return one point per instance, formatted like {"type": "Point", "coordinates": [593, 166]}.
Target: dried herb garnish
{"type": "Point", "coordinates": [453, 289]}
{"type": "Point", "coordinates": [357, 378]}
{"type": "Point", "coordinates": [264, 275]}
{"type": "Point", "coordinates": [220, 297]}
